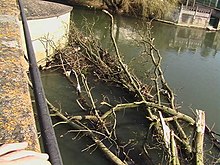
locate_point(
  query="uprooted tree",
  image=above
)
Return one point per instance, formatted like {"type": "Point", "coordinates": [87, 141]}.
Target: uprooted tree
{"type": "Point", "coordinates": [84, 57]}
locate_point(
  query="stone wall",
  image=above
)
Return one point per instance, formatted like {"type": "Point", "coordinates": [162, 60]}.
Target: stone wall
{"type": "Point", "coordinates": [17, 121]}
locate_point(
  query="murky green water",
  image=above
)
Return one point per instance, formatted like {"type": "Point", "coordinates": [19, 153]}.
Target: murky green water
{"type": "Point", "coordinates": [191, 60]}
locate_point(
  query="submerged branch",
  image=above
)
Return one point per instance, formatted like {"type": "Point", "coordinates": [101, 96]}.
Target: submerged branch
{"type": "Point", "coordinates": [200, 130]}
{"type": "Point", "coordinates": [158, 102]}
{"type": "Point", "coordinates": [98, 142]}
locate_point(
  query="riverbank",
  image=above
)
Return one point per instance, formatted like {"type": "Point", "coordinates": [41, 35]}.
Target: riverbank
{"type": "Point", "coordinates": [197, 16]}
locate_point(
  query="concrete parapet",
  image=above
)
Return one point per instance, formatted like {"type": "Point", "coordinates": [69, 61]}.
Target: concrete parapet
{"type": "Point", "coordinates": [49, 27]}
{"type": "Point", "coordinates": [16, 114]}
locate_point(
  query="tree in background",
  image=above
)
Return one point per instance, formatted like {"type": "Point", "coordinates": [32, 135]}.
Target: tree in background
{"type": "Point", "coordinates": [152, 9]}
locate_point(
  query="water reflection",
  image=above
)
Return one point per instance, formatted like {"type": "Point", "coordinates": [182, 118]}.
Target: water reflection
{"type": "Point", "coordinates": [186, 38]}
{"type": "Point", "coordinates": [167, 36]}
{"type": "Point", "coordinates": [191, 58]}
{"type": "Point", "coordinates": [194, 40]}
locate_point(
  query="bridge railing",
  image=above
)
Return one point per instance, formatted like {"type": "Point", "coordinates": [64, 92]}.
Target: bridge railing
{"type": "Point", "coordinates": [46, 127]}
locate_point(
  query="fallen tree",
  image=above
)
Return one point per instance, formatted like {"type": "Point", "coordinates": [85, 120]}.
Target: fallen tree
{"type": "Point", "coordinates": [84, 56]}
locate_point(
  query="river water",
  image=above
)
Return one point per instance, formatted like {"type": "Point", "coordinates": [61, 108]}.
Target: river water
{"type": "Point", "coordinates": [191, 65]}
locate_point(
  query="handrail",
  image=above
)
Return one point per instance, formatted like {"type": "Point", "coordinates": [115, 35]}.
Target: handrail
{"type": "Point", "coordinates": [46, 127]}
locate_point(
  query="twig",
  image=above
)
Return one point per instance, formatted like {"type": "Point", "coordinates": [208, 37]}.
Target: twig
{"type": "Point", "coordinates": [174, 152]}
{"type": "Point", "coordinates": [93, 105]}
{"type": "Point", "coordinates": [200, 129]}
{"type": "Point", "coordinates": [98, 142]}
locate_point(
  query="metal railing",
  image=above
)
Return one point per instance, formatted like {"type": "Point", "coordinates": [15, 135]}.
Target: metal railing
{"type": "Point", "coordinates": [46, 127]}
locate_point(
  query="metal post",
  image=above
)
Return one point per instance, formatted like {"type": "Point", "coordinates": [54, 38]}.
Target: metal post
{"type": "Point", "coordinates": [216, 3]}
{"type": "Point", "coordinates": [187, 3]}
{"type": "Point", "coordinates": [47, 131]}
{"type": "Point", "coordinates": [210, 2]}
{"type": "Point", "coordinates": [180, 15]}
{"type": "Point", "coordinates": [194, 2]}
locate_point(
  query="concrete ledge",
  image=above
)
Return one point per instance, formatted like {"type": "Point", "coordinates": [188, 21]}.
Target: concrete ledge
{"type": "Point", "coordinates": [40, 9]}
{"type": "Point", "coordinates": [16, 114]}
{"type": "Point", "coordinates": [49, 27]}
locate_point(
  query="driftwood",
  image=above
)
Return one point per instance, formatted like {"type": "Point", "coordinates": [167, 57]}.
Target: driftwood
{"type": "Point", "coordinates": [200, 130]}
{"type": "Point", "coordinates": [84, 129]}
{"type": "Point", "coordinates": [85, 54]}
{"type": "Point", "coordinates": [89, 133]}
{"type": "Point", "coordinates": [174, 151]}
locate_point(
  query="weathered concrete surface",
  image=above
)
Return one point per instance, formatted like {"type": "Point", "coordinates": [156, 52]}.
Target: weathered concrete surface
{"type": "Point", "coordinates": [16, 115]}
{"type": "Point", "coordinates": [49, 27]}
{"type": "Point", "coordinates": [38, 9]}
